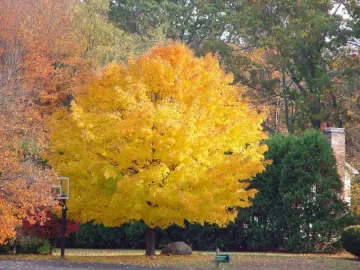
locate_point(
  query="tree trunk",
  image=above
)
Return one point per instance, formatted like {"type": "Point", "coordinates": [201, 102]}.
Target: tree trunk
{"type": "Point", "coordinates": [150, 242]}
{"type": "Point", "coordinates": [285, 93]}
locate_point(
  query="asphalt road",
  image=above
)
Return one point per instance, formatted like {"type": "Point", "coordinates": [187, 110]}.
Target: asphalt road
{"type": "Point", "coordinates": [58, 265]}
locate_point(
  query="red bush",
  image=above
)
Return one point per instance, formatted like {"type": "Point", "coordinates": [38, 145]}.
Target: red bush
{"type": "Point", "coordinates": [50, 229]}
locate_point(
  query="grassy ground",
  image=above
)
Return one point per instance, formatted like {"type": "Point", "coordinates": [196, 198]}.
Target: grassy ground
{"type": "Point", "coordinates": [203, 260]}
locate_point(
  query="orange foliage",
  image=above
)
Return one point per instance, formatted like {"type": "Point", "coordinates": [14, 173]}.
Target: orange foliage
{"type": "Point", "coordinates": [43, 45]}
{"type": "Point", "coordinates": [34, 36]}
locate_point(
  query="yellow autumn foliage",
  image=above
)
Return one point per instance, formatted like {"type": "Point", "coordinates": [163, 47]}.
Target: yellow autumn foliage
{"type": "Point", "coordinates": [164, 138]}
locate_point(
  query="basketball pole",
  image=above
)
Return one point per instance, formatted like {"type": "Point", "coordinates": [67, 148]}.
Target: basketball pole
{"type": "Point", "coordinates": [61, 193]}
{"type": "Point", "coordinates": [63, 228]}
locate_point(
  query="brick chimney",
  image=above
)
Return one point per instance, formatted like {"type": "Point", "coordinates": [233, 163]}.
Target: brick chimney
{"type": "Point", "coordinates": [336, 138]}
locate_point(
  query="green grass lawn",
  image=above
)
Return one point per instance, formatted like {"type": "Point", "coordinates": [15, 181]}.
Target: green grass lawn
{"type": "Point", "coordinates": [204, 260]}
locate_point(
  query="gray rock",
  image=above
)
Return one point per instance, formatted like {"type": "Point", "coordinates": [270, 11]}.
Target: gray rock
{"type": "Point", "coordinates": [176, 248]}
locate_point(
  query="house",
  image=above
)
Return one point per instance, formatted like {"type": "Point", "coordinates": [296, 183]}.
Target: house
{"type": "Point", "coordinates": [336, 138]}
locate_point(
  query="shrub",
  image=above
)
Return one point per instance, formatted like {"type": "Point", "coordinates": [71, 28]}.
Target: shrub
{"type": "Point", "coordinates": [29, 244]}
{"type": "Point", "coordinates": [259, 239]}
{"type": "Point", "coordinates": [5, 249]}
{"type": "Point", "coordinates": [50, 229]}
{"type": "Point", "coordinates": [350, 240]}
{"type": "Point", "coordinates": [92, 235]}
{"type": "Point", "coordinates": [173, 233]}
{"type": "Point", "coordinates": [135, 234]}
{"type": "Point", "coordinates": [297, 206]}
{"type": "Point", "coordinates": [45, 248]}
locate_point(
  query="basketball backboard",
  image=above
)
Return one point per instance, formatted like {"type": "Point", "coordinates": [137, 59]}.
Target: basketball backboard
{"type": "Point", "coordinates": [61, 190]}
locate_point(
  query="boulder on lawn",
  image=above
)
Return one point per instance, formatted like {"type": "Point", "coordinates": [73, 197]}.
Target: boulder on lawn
{"type": "Point", "coordinates": [176, 248]}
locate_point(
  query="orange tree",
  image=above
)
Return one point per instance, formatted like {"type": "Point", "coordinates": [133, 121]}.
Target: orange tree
{"type": "Point", "coordinates": [46, 49]}
{"type": "Point", "coordinates": [163, 139]}
{"type": "Point", "coordinates": [24, 181]}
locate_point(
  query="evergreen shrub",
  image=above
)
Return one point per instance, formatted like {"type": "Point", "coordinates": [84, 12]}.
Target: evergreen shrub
{"type": "Point", "coordinates": [297, 207]}
{"type": "Point", "coordinates": [29, 244]}
{"type": "Point", "coordinates": [93, 235]}
{"type": "Point", "coordinates": [135, 234]}
{"type": "Point", "coordinates": [45, 248]}
{"type": "Point", "coordinates": [350, 240]}
{"type": "Point", "coordinates": [5, 249]}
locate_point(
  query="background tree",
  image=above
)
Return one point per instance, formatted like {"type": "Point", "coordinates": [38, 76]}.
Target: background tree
{"type": "Point", "coordinates": [305, 39]}
{"type": "Point", "coordinates": [164, 139]}
{"type": "Point", "coordinates": [300, 41]}
{"type": "Point", "coordinates": [101, 41]}
{"type": "Point", "coordinates": [200, 25]}
{"type": "Point", "coordinates": [352, 10]}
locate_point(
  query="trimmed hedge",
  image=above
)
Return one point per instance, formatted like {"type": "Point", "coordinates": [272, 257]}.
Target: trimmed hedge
{"type": "Point", "coordinates": [350, 240]}
{"type": "Point", "coordinates": [92, 235]}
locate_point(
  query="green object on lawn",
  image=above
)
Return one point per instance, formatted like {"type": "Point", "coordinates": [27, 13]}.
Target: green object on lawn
{"type": "Point", "coordinates": [224, 258]}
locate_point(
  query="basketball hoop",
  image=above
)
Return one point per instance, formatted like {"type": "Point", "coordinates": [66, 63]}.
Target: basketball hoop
{"type": "Point", "coordinates": [61, 190]}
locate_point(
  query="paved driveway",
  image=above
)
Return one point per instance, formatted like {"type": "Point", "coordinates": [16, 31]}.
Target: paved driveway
{"type": "Point", "coordinates": [58, 265]}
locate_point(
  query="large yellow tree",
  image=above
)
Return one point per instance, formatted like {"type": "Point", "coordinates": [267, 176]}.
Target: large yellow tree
{"type": "Point", "coordinates": [164, 138]}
